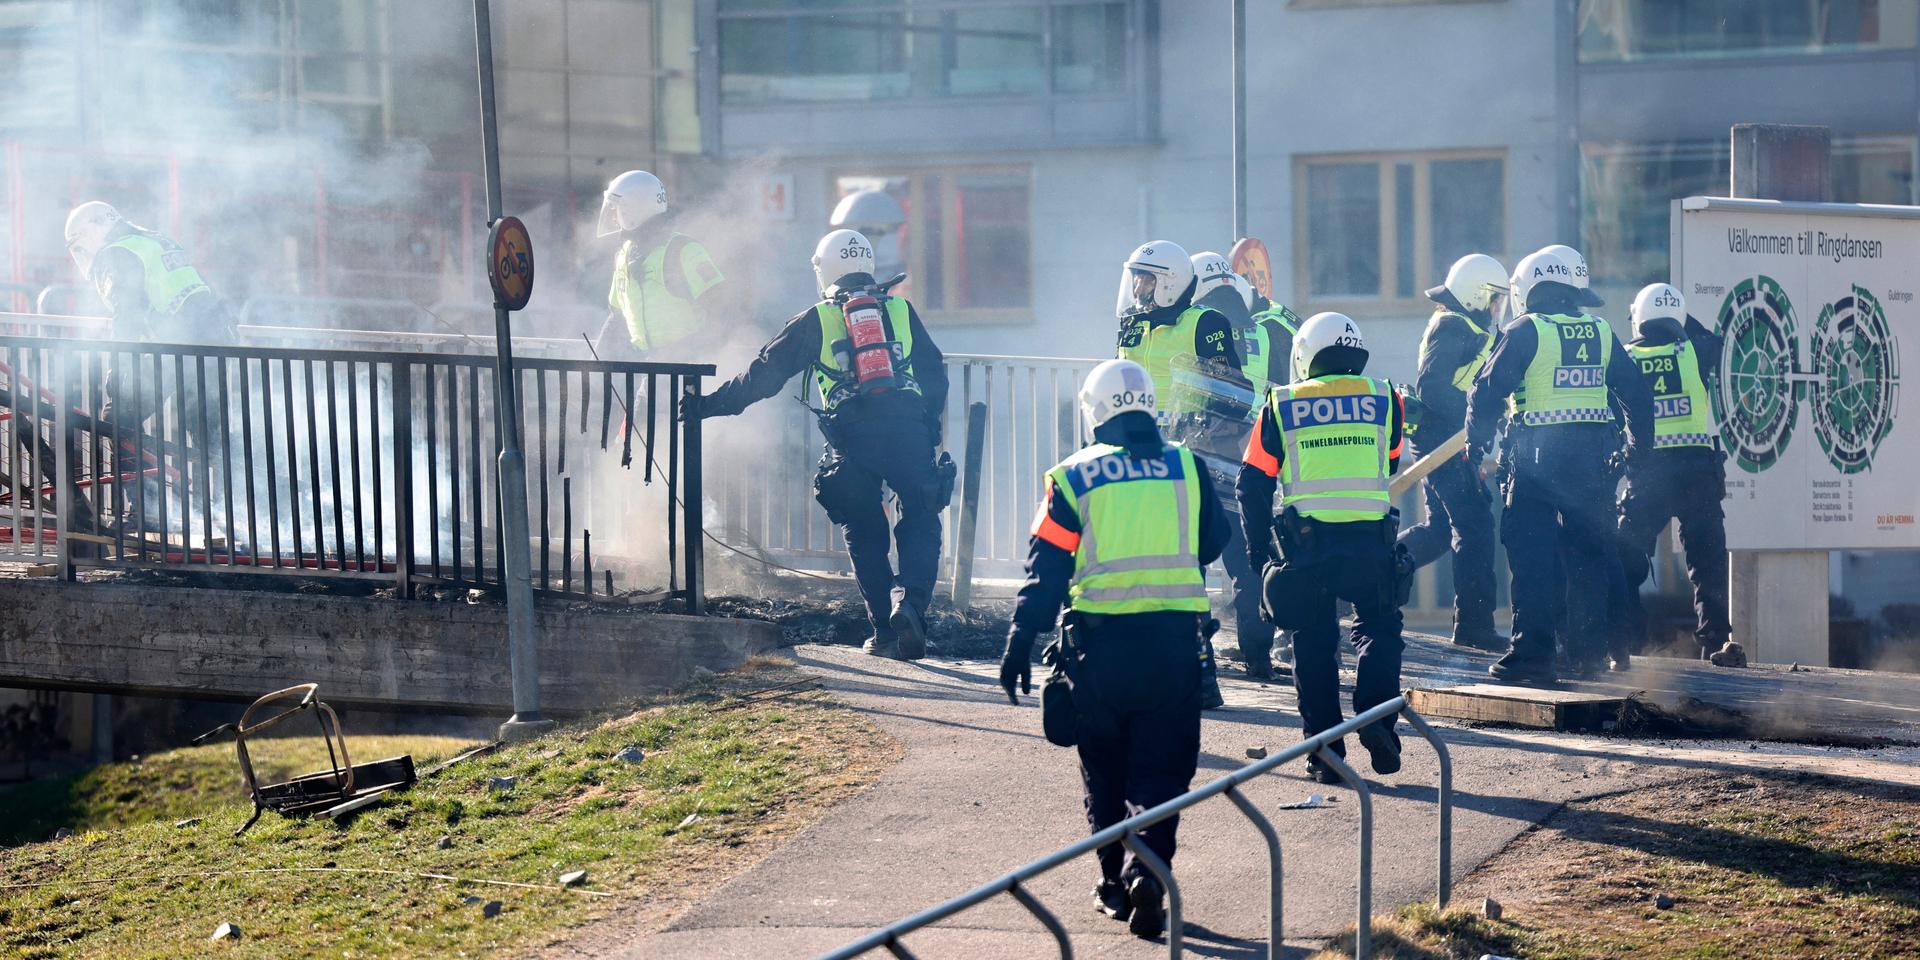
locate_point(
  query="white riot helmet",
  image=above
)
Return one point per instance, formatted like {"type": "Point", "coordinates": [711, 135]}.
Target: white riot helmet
{"type": "Point", "coordinates": [1325, 332]}
{"type": "Point", "coordinates": [1113, 388]}
{"type": "Point", "coordinates": [838, 254]}
{"type": "Point", "coordinates": [1153, 278]}
{"type": "Point", "coordinates": [1582, 280]}
{"type": "Point", "coordinates": [1476, 281]}
{"type": "Point", "coordinates": [88, 228]}
{"type": "Point", "coordinates": [1657, 301]}
{"type": "Point", "coordinates": [1210, 270]}
{"type": "Point", "coordinates": [1541, 266]}
{"type": "Point", "coordinates": [632, 199]}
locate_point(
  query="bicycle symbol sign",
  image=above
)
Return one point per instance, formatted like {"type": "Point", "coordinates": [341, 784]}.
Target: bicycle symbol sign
{"type": "Point", "coordinates": [510, 263]}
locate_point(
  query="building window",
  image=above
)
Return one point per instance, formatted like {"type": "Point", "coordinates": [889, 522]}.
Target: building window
{"type": "Point", "coordinates": [775, 50]}
{"type": "Point", "coordinates": [1622, 30]}
{"type": "Point", "coordinates": [1381, 229]}
{"type": "Point", "coordinates": [966, 243]}
{"type": "Point", "coordinates": [1627, 192]}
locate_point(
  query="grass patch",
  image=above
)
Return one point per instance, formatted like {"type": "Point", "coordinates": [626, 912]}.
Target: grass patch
{"type": "Point", "coordinates": [1755, 867]}
{"type": "Point", "coordinates": [747, 773]}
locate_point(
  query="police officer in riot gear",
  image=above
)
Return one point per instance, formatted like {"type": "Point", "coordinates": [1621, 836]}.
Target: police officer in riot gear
{"type": "Point", "coordinates": [1684, 477]}
{"type": "Point", "coordinates": [1329, 441]}
{"type": "Point", "coordinates": [882, 385]}
{"type": "Point", "coordinates": [1456, 344]}
{"type": "Point", "coordinates": [1127, 528]}
{"type": "Point", "coordinates": [1569, 382]}
{"type": "Point", "coordinates": [664, 284]}
{"type": "Point", "coordinates": [1186, 347]}
{"type": "Point", "coordinates": [1217, 288]}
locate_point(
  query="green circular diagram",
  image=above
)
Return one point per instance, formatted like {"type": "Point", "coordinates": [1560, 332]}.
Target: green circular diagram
{"type": "Point", "coordinates": [1856, 360]}
{"type": "Point", "coordinates": [1754, 402]}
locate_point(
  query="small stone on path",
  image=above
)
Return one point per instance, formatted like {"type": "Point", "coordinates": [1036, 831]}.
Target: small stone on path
{"type": "Point", "coordinates": [1256, 753]}
{"type": "Point", "coordinates": [573, 879]}
{"type": "Point", "coordinates": [1663, 902]}
{"type": "Point", "coordinates": [444, 843]}
{"type": "Point", "coordinates": [1491, 909]}
{"type": "Point", "coordinates": [492, 909]}
{"type": "Point", "coordinates": [225, 931]}
{"type": "Point", "coordinates": [631, 755]}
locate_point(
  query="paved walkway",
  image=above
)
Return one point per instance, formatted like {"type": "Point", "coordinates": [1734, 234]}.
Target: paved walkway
{"type": "Point", "coordinates": [979, 792]}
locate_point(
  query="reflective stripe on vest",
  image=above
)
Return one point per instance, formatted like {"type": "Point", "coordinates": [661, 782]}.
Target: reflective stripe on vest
{"type": "Point", "coordinates": [1463, 375]}
{"type": "Point", "coordinates": [1682, 411]}
{"type": "Point", "coordinates": [1139, 530]}
{"type": "Point", "coordinates": [655, 317]}
{"type": "Point", "coordinates": [835, 381]}
{"type": "Point", "coordinates": [1155, 347]}
{"type": "Point", "coordinates": [1337, 431]}
{"type": "Point", "coordinates": [1567, 380]}
{"type": "Point", "coordinates": [1261, 348]}
{"type": "Point", "coordinates": [169, 278]}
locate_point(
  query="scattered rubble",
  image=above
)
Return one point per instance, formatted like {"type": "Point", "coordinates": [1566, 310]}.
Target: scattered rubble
{"type": "Point", "coordinates": [225, 931]}
{"type": "Point", "coordinates": [1313, 801]}
{"type": "Point", "coordinates": [631, 755]}
{"type": "Point", "coordinates": [1256, 753]}
{"type": "Point", "coordinates": [1663, 902]}
{"type": "Point", "coordinates": [501, 783]}
{"type": "Point", "coordinates": [444, 843]}
{"type": "Point", "coordinates": [1491, 909]}
{"type": "Point", "coordinates": [573, 878]}
{"type": "Point", "coordinates": [492, 909]}
{"type": "Point", "coordinates": [692, 818]}
{"type": "Point", "coordinates": [1731, 655]}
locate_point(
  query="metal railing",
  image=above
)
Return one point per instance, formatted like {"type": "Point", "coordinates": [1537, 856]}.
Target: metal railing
{"type": "Point", "coordinates": [342, 463]}
{"type": "Point", "coordinates": [1127, 833]}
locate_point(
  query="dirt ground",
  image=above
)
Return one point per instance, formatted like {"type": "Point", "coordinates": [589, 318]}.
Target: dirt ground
{"type": "Point", "coordinates": [1715, 866]}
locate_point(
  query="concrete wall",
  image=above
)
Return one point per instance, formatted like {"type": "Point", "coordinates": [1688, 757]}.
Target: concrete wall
{"type": "Point", "coordinates": [238, 644]}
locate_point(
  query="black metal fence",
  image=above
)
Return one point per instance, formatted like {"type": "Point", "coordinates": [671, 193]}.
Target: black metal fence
{"type": "Point", "coordinates": [338, 463]}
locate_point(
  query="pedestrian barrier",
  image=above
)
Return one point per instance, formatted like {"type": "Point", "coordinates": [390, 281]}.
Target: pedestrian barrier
{"type": "Point", "coordinates": [341, 463]}
{"type": "Point", "coordinates": [1127, 833]}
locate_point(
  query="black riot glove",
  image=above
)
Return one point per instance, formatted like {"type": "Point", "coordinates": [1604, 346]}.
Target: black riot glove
{"type": "Point", "coordinates": [689, 407]}
{"type": "Point", "coordinates": [1017, 664]}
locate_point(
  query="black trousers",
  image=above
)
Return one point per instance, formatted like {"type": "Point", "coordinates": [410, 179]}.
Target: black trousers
{"type": "Point", "coordinates": [898, 453]}
{"type": "Point", "coordinates": [1685, 485]}
{"type": "Point", "coordinates": [1358, 568]}
{"type": "Point", "coordinates": [1255, 633]}
{"type": "Point", "coordinates": [1558, 530]}
{"type": "Point", "coordinates": [1460, 517]}
{"type": "Point", "coordinates": [1136, 696]}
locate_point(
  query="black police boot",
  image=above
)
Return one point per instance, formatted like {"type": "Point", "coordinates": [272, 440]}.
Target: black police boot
{"type": "Point", "coordinates": [1479, 638]}
{"type": "Point", "coordinates": [1533, 671]}
{"type": "Point", "coordinates": [1258, 668]}
{"type": "Point", "coordinates": [1319, 771]}
{"type": "Point", "coordinates": [1383, 746]}
{"type": "Point", "coordinates": [1110, 898]}
{"type": "Point", "coordinates": [910, 624]}
{"type": "Point", "coordinates": [882, 644]}
{"type": "Point", "coordinates": [1149, 917]}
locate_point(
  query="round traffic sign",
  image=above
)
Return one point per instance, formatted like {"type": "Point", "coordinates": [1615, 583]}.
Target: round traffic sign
{"type": "Point", "coordinates": [510, 263]}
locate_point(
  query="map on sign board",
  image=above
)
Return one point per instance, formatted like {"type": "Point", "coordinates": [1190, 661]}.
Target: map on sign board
{"type": "Point", "coordinates": [1815, 302]}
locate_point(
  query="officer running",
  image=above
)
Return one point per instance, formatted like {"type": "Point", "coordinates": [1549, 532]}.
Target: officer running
{"type": "Point", "coordinates": [1336, 434]}
{"type": "Point", "coordinates": [1684, 478]}
{"type": "Point", "coordinates": [664, 284]}
{"type": "Point", "coordinates": [1123, 537]}
{"type": "Point", "coordinates": [1568, 382]}
{"type": "Point", "coordinates": [1456, 344]}
{"type": "Point", "coordinates": [883, 385]}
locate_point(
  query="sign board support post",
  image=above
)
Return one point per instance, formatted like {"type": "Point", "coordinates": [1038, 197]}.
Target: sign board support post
{"type": "Point", "coordinates": [516, 575]}
{"type": "Point", "coordinates": [1778, 598]}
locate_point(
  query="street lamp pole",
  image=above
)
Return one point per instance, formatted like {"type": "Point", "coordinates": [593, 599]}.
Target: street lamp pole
{"type": "Point", "coordinates": [522, 643]}
{"type": "Point", "coordinates": [1239, 119]}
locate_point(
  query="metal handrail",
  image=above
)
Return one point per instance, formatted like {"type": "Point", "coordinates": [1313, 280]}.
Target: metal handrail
{"type": "Point", "coordinates": [1127, 832]}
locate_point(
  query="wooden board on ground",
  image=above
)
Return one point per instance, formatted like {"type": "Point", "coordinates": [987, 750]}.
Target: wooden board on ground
{"type": "Point", "coordinates": [1521, 706]}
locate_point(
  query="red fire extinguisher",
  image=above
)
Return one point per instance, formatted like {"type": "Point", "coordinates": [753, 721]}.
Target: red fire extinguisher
{"type": "Point", "coordinates": [872, 353]}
